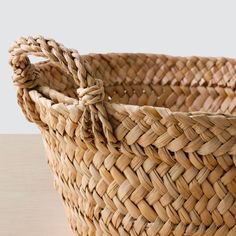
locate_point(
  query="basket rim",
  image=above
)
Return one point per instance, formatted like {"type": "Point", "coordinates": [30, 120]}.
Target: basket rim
{"type": "Point", "coordinates": [126, 107]}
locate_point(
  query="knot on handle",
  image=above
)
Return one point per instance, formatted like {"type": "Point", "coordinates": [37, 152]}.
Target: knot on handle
{"type": "Point", "coordinates": [25, 74]}
{"type": "Point", "coordinates": [93, 94]}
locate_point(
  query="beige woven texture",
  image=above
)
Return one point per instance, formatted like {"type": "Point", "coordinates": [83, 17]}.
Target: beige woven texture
{"type": "Point", "coordinates": [138, 144]}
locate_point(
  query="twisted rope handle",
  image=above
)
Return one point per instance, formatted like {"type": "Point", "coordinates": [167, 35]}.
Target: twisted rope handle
{"type": "Point", "coordinates": [91, 91]}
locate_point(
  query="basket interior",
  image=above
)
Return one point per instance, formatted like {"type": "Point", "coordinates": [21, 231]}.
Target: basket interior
{"type": "Point", "coordinates": [178, 83]}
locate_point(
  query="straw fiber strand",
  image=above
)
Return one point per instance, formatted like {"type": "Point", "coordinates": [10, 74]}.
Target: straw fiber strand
{"type": "Point", "coordinates": [138, 144]}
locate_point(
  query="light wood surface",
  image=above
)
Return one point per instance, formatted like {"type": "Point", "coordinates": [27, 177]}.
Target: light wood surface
{"type": "Point", "coordinates": [29, 205]}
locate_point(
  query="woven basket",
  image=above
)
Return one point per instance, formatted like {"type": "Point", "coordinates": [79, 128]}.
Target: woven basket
{"type": "Point", "coordinates": [139, 144]}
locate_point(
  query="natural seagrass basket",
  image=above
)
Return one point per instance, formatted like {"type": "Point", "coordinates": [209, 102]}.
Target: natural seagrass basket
{"type": "Point", "coordinates": [139, 144]}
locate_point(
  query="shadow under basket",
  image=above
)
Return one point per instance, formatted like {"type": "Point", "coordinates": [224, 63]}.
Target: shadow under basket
{"type": "Point", "coordinates": [138, 144]}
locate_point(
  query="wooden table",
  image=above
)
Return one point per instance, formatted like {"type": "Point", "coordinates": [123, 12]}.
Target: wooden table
{"type": "Point", "coordinates": [29, 205]}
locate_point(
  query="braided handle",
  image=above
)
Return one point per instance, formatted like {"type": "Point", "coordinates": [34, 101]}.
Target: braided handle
{"type": "Point", "coordinates": [67, 59]}
{"type": "Point", "coordinates": [90, 91]}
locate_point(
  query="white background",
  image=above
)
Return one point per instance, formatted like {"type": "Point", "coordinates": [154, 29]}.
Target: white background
{"type": "Point", "coordinates": [183, 27]}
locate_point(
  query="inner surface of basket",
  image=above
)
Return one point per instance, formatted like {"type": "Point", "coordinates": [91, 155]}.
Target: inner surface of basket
{"type": "Point", "coordinates": [179, 83]}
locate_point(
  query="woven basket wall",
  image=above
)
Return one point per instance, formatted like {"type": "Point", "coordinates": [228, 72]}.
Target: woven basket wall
{"type": "Point", "coordinates": [138, 144]}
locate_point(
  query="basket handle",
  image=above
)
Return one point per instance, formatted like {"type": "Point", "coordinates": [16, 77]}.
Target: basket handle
{"type": "Point", "coordinates": [94, 121]}
{"type": "Point", "coordinates": [68, 59]}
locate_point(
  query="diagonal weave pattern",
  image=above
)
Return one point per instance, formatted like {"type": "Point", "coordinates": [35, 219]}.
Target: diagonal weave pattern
{"type": "Point", "coordinates": [138, 144]}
